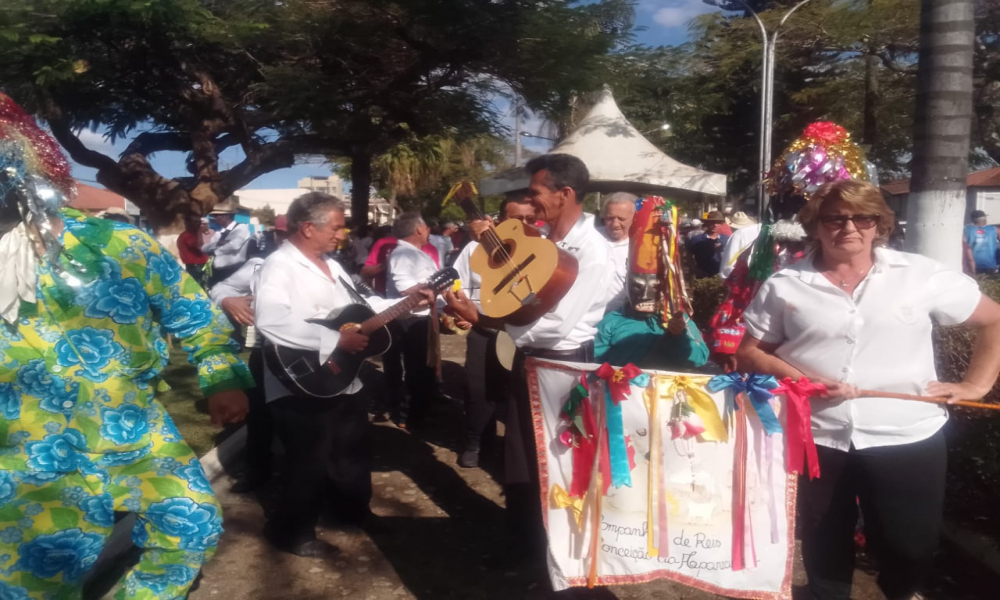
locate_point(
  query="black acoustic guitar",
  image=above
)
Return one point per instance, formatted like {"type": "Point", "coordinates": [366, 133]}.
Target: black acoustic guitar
{"type": "Point", "coordinates": [301, 370]}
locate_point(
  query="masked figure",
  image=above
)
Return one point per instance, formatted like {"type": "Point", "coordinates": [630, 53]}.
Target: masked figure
{"type": "Point", "coordinates": [635, 333]}
{"type": "Point", "coordinates": [84, 307]}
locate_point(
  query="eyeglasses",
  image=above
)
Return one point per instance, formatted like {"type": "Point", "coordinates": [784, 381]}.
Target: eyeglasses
{"type": "Point", "coordinates": [840, 221]}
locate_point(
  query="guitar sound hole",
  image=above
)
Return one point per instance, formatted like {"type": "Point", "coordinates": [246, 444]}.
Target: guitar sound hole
{"type": "Point", "coordinates": [502, 256]}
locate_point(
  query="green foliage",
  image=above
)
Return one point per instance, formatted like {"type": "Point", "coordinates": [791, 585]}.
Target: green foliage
{"type": "Point", "coordinates": [706, 296]}
{"type": "Point", "coordinates": [264, 214]}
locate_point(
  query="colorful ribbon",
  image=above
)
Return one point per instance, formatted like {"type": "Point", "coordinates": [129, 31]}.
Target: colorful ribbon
{"type": "Point", "coordinates": [619, 385]}
{"type": "Point", "coordinates": [561, 499]}
{"type": "Point", "coordinates": [701, 403]}
{"type": "Point", "coordinates": [758, 388]}
{"type": "Point", "coordinates": [801, 445]}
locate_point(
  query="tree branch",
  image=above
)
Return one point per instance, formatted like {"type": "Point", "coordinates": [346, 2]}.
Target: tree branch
{"type": "Point", "coordinates": [271, 157]}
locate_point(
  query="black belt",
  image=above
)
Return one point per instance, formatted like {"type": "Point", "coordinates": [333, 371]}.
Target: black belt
{"type": "Point", "coordinates": [584, 353]}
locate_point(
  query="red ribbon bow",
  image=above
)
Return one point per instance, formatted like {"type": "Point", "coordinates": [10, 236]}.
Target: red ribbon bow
{"type": "Point", "coordinates": [799, 423]}
{"type": "Point", "coordinates": [619, 380]}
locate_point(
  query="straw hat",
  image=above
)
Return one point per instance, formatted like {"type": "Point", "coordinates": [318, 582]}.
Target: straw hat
{"type": "Point", "coordinates": [227, 207]}
{"type": "Point", "coordinates": [740, 219]}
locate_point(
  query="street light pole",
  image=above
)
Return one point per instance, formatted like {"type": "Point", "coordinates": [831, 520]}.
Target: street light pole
{"type": "Point", "coordinates": [769, 43]}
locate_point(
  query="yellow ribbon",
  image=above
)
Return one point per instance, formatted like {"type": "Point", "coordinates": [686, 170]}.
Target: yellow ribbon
{"type": "Point", "coordinates": [561, 499]}
{"type": "Point", "coordinates": [667, 387]}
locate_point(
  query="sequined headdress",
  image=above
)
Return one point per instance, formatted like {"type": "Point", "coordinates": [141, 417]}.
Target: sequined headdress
{"type": "Point", "coordinates": [823, 154]}
{"type": "Point", "coordinates": [34, 174]}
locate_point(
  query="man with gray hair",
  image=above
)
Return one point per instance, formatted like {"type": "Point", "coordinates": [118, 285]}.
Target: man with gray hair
{"type": "Point", "coordinates": [619, 210]}
{"type": "Point", "coordinates": [325, 442]}
{"type": "Point", "coordinates": [409, 267]}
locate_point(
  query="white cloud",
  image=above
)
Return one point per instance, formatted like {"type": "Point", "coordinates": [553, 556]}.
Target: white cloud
{"type": "Point", "coordinates": [95, 141]}
{"type": "Point", "coordinates": [677, 13]}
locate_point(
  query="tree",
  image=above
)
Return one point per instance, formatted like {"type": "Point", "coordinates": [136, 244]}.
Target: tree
{"type": "Point", "coordinates": [373, 75]}
{"type": "Point", "coordinates": [942, 129]}
{"type": "Point", "coordinates": [171, 75]}
{"type": "Point", "coordinates": [265, 214]}
{"type": "Point", "coordinates": [346, 78]}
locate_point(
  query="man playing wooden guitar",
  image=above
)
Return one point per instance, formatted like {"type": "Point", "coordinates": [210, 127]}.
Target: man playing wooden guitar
{"type": "Point", "coordinates": [325, 440]}
{"type": "Point", "coordinates": [566, 332]}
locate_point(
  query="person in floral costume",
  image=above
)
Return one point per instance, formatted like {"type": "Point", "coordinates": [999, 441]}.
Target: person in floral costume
{"type": "Point", "coordinates": [85, 306]}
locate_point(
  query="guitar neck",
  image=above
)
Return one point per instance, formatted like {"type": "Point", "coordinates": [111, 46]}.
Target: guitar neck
{"type": "Point", "coordinates": [390, 314]}
{"type": "Point", "coordinates": [489, 238]}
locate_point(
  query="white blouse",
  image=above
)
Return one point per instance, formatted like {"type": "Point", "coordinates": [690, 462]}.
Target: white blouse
{"type": "Point", "coordinates": [877, 339]}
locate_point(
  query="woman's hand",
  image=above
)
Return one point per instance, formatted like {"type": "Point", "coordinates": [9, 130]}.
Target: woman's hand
{"type": "Point", "coordinates": [956, 392]}
{"type": "Point", "coordinates": [838, 390]}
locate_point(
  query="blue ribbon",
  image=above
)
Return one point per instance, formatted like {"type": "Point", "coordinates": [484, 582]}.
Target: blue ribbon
{"type": "Point", "coordinates": [617, 449]}
{"type": "Point", "coordinates": [758, 389]}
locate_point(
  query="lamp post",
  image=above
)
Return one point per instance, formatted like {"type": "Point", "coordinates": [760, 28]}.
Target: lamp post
{"type": "Point", "coordinates": [769, 42]}
{"type": "Point", "coordinates": [537, 137]}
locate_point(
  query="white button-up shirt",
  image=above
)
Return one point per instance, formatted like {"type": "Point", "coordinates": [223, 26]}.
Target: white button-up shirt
{"type": "Point", "coordinates": [619, 256]}
{"type": "Point", "coordinates": [738, 242]}
{"type": "Point", "coordinates": [229, 251]}
{"type": "Point", "coordinates": [471, 281]}
{"type": "Point", "coordinates": [879, 339]}
{"type": "Point", "coordinates": [291, 289]}
{"type": "Point", "coordinates": [573, 322]}
{"type": "Point", "coordinates": [238, 284]}
{"type": "Point", "coordinates": [408, 266]}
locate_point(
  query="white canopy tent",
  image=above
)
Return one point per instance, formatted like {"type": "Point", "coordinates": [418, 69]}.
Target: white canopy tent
{"type": "Point", "coordinates": [620, 159]}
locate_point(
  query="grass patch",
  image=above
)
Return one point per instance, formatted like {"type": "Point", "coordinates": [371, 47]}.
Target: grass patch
{"type": "Point", "coordinates": [186, 405]}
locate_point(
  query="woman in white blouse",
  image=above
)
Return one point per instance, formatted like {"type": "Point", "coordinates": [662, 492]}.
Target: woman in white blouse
{"type": "Point", "coordinates": [856, 315]}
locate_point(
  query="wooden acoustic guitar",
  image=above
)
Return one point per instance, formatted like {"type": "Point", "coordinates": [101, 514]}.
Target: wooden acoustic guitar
{"type": "Point", "coordinates": [523, 274]}
{"type": "Point", "coordinates": [301, 370]}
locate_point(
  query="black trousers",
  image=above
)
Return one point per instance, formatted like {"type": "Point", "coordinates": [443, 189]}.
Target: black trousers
{"type": "Point", "coordinates": [420, 379]}
{"type": "Point", "coordinates": [521, 482]}
{"type": "Point", "coordinates": [260, 427]}
{"type": "Point", "coordinates": [197, 272]}
{"type": "Point", "coordinates": [487, 385]}
{"type": "Point", "coordinates": [327, 464]}
{"type": "Point", "coordinates": [900, 490]}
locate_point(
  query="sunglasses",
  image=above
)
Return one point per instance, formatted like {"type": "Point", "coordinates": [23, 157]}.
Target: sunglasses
{"type": "Point", "coordinates": [840, 221]}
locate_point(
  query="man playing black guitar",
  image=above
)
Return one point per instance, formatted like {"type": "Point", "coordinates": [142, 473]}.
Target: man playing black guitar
{"type": "Point", "coordinates": [566, 332]}
{"type": "Point", "coordinates": [325, 440]}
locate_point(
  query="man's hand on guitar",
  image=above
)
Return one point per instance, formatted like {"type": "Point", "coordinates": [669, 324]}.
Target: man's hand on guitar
{"type": "Point", "coordinates": [352, 341]}
{"type": "Point", "coordinates": [421, 289]}
{"type": "Point", "coordinates": [239, 308]}
{"type": "Point", "coordinates": [478, 226]}
{"type": "Point", "coordinates": [464, 308]}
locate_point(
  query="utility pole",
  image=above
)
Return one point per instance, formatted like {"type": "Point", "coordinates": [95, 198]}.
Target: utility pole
{"type": "Point", "coordinates": [517, 132]}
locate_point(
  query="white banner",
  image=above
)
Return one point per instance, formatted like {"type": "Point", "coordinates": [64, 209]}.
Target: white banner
{"type": "Point", "coordinates": [697, 483]}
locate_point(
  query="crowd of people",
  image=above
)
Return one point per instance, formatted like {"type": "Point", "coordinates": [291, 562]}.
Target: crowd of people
{"type": "Point", "coordinates": [87, 305]}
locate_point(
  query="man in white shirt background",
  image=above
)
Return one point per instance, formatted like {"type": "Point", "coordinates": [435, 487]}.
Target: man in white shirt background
{"type": "Point", "coordinates": [409, 267]}
{"type": "Point", "coordinates": [235, 297]}
{"type": "Point", "coordinates": [745, 232]}
{"type": "Point", "coordinates": [617, 215]}
{"type": "Point", "coordinates": [325, 441]}
{"type": "Point", "coordinates": [487, 378]}
{"type": "Point", "coordinates": [228, 246]}
{"type": "Point", "coordinates": [557, 189]}
{"type": "Point", "coordinates": [441, 239]}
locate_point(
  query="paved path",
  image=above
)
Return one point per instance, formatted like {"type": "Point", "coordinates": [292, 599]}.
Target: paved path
{"type": "Point", "coordinates": [437, 523]}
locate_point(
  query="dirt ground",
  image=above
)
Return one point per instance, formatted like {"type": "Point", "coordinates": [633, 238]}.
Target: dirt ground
{"type": "Point", "coordinates": [437, 526]}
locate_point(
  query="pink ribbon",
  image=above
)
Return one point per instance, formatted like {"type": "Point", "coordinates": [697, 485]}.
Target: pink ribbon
{"type": "Point", "coordinates": [801, 446]}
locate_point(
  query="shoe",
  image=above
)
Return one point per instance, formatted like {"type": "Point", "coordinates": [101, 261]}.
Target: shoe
{"type": "Point", "coordinates": [469, 459]}
{"type": "Point", "coordinates": [247, 485]}
{"type": "Point", "coordinates": [310, 549]}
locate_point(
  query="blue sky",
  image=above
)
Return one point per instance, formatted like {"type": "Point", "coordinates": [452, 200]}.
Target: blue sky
{"type": "Point", "coordinates": [662, 23]}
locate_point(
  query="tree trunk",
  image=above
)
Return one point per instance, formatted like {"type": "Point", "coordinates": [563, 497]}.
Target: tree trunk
{"type": "Point", "coordinates": [936, 205]}
{"type": "Point", "coordinates": [361, 182]}
{"type": "Point", "coordinates": [870, 133]}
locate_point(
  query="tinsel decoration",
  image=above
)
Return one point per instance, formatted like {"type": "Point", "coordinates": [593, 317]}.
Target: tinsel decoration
{"type": "Point", "coordinates": [35, 174]}
{"type": "Point", "coordinates": [824, 153]}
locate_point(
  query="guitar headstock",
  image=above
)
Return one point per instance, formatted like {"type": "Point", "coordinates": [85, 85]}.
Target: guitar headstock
{"type": "Point", "coordinates": [441, 281]}
{"type": "Point", "coordinates": [463, 192]}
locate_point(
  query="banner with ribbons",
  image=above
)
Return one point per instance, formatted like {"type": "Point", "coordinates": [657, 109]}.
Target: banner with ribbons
{"type": "Point", "coordinates": [657, 475]}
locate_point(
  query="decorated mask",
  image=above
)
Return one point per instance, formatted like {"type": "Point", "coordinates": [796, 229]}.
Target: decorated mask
{"type": "Point", "coordinates": [644, 283]}
{"type": "Point", "coordinates": [645, 292]}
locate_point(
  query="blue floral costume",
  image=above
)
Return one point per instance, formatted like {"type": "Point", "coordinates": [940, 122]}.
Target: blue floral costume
{"type": "Point", "coordinates": [81, 434]}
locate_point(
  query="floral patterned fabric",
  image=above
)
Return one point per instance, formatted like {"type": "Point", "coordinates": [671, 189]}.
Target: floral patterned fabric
{"type": "Point", "coordinates": [54, 525]}
{"type": "Point", "coordinates": [78, 376]}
